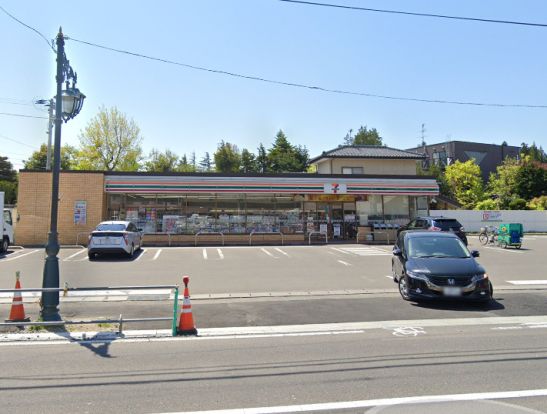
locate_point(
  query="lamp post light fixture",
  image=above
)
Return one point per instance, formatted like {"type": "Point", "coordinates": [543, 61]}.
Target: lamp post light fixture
{"type": "Point", "coordinates": [68, 103]}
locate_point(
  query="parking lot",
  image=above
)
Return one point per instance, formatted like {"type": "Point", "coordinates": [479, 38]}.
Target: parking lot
{"type": "Point", "coordinates": [265, 269]}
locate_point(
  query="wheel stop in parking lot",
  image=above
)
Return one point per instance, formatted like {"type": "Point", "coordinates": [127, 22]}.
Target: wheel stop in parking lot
{"type": "Point", "coordinates": [186, 323]}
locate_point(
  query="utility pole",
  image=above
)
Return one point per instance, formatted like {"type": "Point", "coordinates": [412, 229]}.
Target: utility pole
{"type": "Point", "coordinates": [423, 135]}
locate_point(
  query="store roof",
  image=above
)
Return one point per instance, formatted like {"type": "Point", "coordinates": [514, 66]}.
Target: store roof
{"type": "Point", "coordinates": [368, 151]}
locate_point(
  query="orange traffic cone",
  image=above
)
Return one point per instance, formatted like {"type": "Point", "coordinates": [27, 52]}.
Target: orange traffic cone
{"type": "Point", "coordinates": [17, 313]}
{"type": "Point", "coordinates": [186, 323]}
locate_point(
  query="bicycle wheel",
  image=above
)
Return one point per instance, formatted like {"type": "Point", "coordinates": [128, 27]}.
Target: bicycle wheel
{"type": "Point", "coordinates": [483, 238]}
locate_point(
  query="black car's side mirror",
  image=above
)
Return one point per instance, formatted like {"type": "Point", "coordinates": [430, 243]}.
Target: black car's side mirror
{"type": "Point", "coordinates": [475, 253]}
{"type": "Point", "coordinates": [397, 251]}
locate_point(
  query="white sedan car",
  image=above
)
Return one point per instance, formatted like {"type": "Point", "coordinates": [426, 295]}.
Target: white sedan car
{"type": "Point", "coordinates": [114, 237]}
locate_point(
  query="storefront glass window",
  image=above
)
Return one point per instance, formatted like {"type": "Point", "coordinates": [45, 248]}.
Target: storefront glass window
{"type": "Point", "coordinates": [396, 209]}
{"type": "Point", "coordinates": [261, 214]}
{"type": "Point", "coordinates": [370, 210]}
{"type": "Point", "coordinates": [201, 213]}
{"type": "Point", "coordinates": [288, 211]}
{"type": "Point", "coordinates": [231, 213]}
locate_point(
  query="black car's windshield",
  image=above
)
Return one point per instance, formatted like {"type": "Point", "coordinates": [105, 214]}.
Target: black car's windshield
{"type": "Point", "coordinates": [436, 247]}
{"type": "Point", "coordinates": [111, 227]}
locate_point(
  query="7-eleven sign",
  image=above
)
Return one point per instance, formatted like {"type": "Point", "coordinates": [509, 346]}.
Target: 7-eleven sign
{"type": "Point", "coordinates": [335, 188]}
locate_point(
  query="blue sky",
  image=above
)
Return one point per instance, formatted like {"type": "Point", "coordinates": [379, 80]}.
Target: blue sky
{"type": "Point", "coordinates": [185, 110]}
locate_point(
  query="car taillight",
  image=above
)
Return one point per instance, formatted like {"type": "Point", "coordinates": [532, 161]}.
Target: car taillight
{"type": "Point", "coordinates": [433, 228]}
{"type": "Point", "coordinates": [125, 238]}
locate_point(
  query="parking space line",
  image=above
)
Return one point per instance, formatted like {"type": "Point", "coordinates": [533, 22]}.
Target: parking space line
{"type": "Point", "coordinates": [9, 259]}
{"type": "Point", "coordinates": [282, 252]}
{"type": "Point", "coordinates": [344, 263]}
{"type": "Point", "coordinates": [268, 253]}
{"type": "Point", "coordinates": [499, 249]}
{"type": "Point", "coordinates": [157, 254]}
{"type": "Point", "coordinates": [74, 255]}
{"type": "Point", "coordinates": [205, 254]}
{"type": "Point", "coordinates": [141, 255]}
{"type": "Point", "coordinates": [389, 277]}
{"type": "Point", "coordinates": [527, 282]}
{"type": "Point", "coordinates": [220, 254]}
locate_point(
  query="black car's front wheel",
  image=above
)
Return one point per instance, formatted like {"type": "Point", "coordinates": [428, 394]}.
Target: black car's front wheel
{"type": "Point", "coordinates": [403, 288]}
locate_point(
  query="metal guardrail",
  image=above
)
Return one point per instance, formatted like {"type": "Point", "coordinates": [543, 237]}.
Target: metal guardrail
{"type": "Point", "coordinates": [317, 232]}
{"type": "Point", "coordinates": [199, 233]}
{"type": "Point", "coordinates": [120, 321]}
{"type": "Point", "coordinates": [266, 233]}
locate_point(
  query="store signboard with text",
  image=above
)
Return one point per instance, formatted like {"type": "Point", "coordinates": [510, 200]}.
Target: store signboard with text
{"type": "Point", "coordinates": [335, 188]}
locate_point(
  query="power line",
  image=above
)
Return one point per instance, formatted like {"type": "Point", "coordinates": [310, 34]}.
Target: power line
{"type": "Point", "coordinates": [304, 86]}
{"type": "Point", "coordinates": [29, 27]}
{"type": "Point", "coordinates": [17, 142]}
{"type": "Point", "coordinates": [439, 16]}
{"type": "Point", "coordinates": [23, 116]}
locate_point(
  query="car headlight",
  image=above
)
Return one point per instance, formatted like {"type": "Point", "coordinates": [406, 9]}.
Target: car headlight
{"type": "Point", "coordinates": [479, 277]}
{"type": "Point", "coordinates": [419, 276]}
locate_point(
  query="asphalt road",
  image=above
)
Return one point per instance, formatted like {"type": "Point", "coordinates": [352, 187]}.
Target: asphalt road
{"type": "Point", "coordinates": [271, 269]}
{"type": "Point", "coordinates": [349, 369]}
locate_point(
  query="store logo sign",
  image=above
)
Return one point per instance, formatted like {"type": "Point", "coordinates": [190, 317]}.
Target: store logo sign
{"type": "Point", "coordinates": [335, 188]}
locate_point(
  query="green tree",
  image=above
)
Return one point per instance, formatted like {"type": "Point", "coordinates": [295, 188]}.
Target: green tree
{"type": "Point", "coordinates": [7, 173]}
{"type": "Point", "coordinates": [38, 159]}
{"type": "Point", "coordinates": [205, 164]}
{"type": "Point", "coordinates": [227, 158]}
{"type": "Point", "coordinates": [530, 179]}
{"type": "Point", "coordinates": [9, 188]}
{"type": "Point", "coordinates": [534, 152]}
{"type": "Point", "coordinates": [364, 136]}
{"type": "Point", "coordinates": [502, 184]}
{"type": "Point", "coordinates": [436, 171]}
{"type": "Point", "coordinates": [184, 165]}
{"type": "Point", "coordinates": [464, 180]}
{"type": "Point", "coordinates": [538, 203]}
{"type": "Point", "coordinates": [284, 157]}
{"type": "Point", "coordinates": [110, 142]}
{"type": "Point", "coordinates": [262, 160]}
{"type": "Point", "coordinates": [248, 162]}
{"type": "Point", "coordinates": [161, 161]}
{"type": "Point", "coordinates": [487, 204]}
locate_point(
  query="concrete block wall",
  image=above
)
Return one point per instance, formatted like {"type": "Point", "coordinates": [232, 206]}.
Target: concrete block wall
{"type": "Point", "coordinates": [34, 205]}
{"type": "Point", "coordinates": [473, 220]}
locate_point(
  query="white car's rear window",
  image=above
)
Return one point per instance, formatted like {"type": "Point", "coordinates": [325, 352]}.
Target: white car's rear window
{"type": "Point", "coordinates": [111, 227]}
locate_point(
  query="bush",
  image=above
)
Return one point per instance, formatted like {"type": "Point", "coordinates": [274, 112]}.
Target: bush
{"type": "Point", "coordinates": [487, 204]}
{"type": "Point", "coordinates": [517, 204]}
{"type": "Point", "coordinates": [538, 203]}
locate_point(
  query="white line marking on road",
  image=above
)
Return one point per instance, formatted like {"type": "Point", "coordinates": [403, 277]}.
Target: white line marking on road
{"type": "Point", "coordinates": [345, 405]}
{"type": "Point", "coordinates": [282, 252]}
{"type": "Point", "coordinates": [344, 263]}
{"type": "Point", "coordinates": [74, 255]}
{"type": "Point", "coordinates": [389, 277]}
{"type": "Point", "coordinates": [157, 254]}
{"type": "Point", "coordinates": [141, 255]}
{"type": "Point", "coordinates": [9, 259]}
{"type": "Point", "coordinates": [408, 331]}
{"type": "Point", "coordinates": [268, 253]}
{"type": "Point", "coordinates": [220, 253]}
{"type": "Point", "coordinates": [340, 250]}
{"type": "Point", "coordinates": [527, 282]}
{"type": "Point", "coordinates": [500, 249]}
{"type": "Point", "coordinates": [205, 254]}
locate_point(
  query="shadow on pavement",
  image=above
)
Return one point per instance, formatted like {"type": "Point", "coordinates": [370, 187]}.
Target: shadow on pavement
{"type": "Point", "coordinates": [493, 305]}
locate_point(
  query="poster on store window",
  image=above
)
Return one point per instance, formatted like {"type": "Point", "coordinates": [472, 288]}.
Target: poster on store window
{"type": "Point", "coordinates": [80, 212]}
{"type": "Point", "coordinates": [323, 228]}
{"type": "Point", "coordinates": [336, 230]}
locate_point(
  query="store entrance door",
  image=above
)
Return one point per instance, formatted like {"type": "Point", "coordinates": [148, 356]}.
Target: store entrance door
{"type": "Point", "coordinates": [342, 220]}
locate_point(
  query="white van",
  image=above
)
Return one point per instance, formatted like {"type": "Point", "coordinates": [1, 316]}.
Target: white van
{"type": "Point", "coordinates": [6, 225]}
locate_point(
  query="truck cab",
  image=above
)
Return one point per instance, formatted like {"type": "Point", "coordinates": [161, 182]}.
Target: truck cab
{"type": "Point", "coordinates": [6, 225]}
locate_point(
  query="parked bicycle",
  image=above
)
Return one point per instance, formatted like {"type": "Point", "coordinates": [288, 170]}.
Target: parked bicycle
{"type": "Point", "coordinates": [488, 235]}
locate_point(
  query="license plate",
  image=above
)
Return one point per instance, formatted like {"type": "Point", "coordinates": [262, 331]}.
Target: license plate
{"type": "Point", "coordinates": [452, 291]}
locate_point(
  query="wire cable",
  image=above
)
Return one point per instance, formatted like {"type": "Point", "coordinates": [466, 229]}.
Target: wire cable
{"type": "Point", "coordinates": [439, 16]}
{"type": "Point", "coordinates": [304, 86]}
{"type": "Point", "coordinates": [19, 142]}
{"type": "Point", "coordinates": [23, 116]}
{"type": "Point", "coordinates": [29, 27]}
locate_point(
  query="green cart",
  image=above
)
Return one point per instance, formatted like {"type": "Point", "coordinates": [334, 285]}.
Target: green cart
{"type": "Point", "coordinates": [510, 234]}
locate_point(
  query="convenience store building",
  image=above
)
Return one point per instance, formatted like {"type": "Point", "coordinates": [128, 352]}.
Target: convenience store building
{"type": "Point", "coordinates": [355, 186]}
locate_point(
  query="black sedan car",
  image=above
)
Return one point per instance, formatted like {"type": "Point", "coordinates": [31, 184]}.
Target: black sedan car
{"type": "Point", "coordinates": [434, 223]}
{"type": "Point", "coordinates": [434, 265]}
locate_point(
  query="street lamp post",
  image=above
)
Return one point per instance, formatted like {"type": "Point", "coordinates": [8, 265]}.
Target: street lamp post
{"type": "Point", "coordinates": [68, 103]}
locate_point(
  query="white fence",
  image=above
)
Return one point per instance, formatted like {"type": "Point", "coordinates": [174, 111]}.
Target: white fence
{"type": "Point", "coordinates": [473, 220]}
